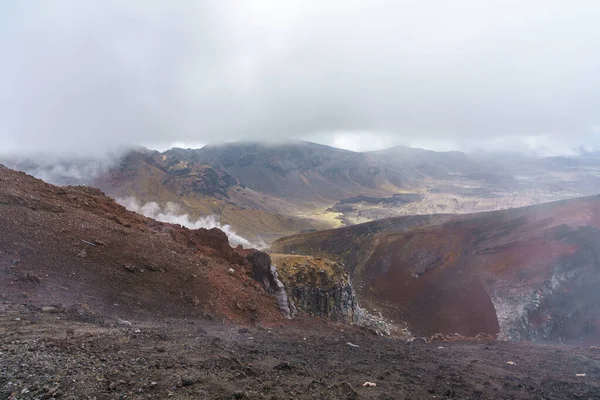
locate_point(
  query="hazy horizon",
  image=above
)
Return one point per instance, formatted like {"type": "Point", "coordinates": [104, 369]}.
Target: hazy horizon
{"type": "Point", "coordinates": [113, 154]}
{"type": "Point", "coordinates": [96, 76]}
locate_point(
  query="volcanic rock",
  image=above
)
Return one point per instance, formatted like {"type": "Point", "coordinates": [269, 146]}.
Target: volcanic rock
{"type": "Point", "coordinates": [39, 223]}
{"type": "Point", "coordinates": [266, 273]}
{"type": "Point", "coordinates": [522, 274]}
{"type": "Point", "coordinates": [321, 287]}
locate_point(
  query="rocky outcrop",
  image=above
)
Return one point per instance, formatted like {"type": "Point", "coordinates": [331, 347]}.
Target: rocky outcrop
{"type": "Point", "coordinates": [321, 287]}
{"type": "Point", "coordinates": [314, 286]}
{"type": "Point", "coordinates": [265, 273]}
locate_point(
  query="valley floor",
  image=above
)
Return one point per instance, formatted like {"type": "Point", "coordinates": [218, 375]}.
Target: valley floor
{"type": "Point", "coordinates": [73, 356]}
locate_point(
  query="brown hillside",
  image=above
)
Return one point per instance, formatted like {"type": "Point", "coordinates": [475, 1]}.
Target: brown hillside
{"type": "Point", "coordinates": [529, 273]}
{"type": "Point", "coordinates": [73, 246]}
{"type": "Point", "coordinates": [202, 190]}
{"type": "Point", "coordinates": [266, 191]}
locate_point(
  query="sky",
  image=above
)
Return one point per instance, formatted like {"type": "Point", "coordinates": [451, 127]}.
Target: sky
{"type": "Point", "coordinates": [98, 75]}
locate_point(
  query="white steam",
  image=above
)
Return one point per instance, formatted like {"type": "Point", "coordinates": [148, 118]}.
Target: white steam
{"type": "Point", "coordinates": [171, 213]}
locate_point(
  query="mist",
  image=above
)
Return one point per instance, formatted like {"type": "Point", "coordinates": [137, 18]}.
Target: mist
{"type": "Point", "coordinates": [172, 214]}
{"type": "Point", "coordinates": [90, 77]}
{"type": "Point", "coordinates": [63, 170]}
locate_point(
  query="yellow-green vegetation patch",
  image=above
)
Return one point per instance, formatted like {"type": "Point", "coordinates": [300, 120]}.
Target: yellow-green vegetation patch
{"type": "Point", "coordinates": [296, 270]}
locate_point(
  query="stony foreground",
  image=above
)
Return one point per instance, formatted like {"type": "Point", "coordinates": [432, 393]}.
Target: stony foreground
{"type": "Point", "coordinates": [45, 355]}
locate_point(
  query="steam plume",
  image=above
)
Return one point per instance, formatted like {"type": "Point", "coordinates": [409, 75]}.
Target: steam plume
{"type": "Point", "coordinates": [171, 213]}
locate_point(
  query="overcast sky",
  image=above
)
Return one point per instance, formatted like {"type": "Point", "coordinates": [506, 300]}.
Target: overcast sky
{"type": "Point", "coordinates": [88, 76]}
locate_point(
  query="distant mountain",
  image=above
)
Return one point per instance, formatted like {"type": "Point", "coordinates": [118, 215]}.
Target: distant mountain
{"type": "Point", "coordinates": [312, 171]}
{"type": "Point", "coordinates": [530, 273]}
{"type": "Point", "coordinates": [446, 166]}
{"type": "Point", "coordinates": [309, 171]}
{"type": "Point", "coordinates": [300, 170]}
{"type": "Point", "coordinates": [265, 191]}
{"type": "Point", "coordinates": [253, 185]}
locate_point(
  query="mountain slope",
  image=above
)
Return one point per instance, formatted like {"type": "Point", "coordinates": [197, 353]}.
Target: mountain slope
{"type": "Point", "coordinates": [300, 170]}
{"type": "Point", "coordinates": [530, 273]}
{"type": "Point", "coordinates": [269, 190]}
{"type": "Point", "coordinates": [266, 191]}
{"type": "Point", "coordinates": [75, 247]}
{"type": "Point", "coordinates": [200, 190]}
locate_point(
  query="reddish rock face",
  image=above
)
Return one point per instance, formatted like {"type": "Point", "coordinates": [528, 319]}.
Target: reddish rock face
{"type": "Point", "coordinates": [530, 273]}
{"type": "Point", "coordinates": [74, 246]}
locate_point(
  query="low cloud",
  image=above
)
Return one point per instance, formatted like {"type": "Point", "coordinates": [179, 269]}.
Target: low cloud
{"type": "Point", "coordinates": [87, 76]}
{"type": "Point", "coordinates": [172, 214]}
{"type": "Point", "coordinates": [57, 170]}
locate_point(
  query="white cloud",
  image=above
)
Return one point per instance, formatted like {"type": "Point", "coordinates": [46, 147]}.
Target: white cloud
{"type": "Point", "coordinates": [543, 145]}
{"type": "Point", "coordinates": [362, 141]}
{"type": "Point", "coordinates": [171, 145]}
{"type": "Point", "coordinates": [88, 76]}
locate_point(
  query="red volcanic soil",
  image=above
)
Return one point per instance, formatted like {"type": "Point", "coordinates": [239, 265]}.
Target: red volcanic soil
{"type": "Point", "coordinates": [75, 247]}
{"type": "Point", "coordinates": [72, 261]}
{"type": "Point", "coordinates": [528, 273]}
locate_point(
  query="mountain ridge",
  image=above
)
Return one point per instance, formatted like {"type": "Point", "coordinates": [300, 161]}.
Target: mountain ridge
{"type": "Point", "coordinates": [266, 191]}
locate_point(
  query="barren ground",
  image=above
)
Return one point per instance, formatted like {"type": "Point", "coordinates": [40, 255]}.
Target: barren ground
{"type": "Point", "coordinates": [62, 355]}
